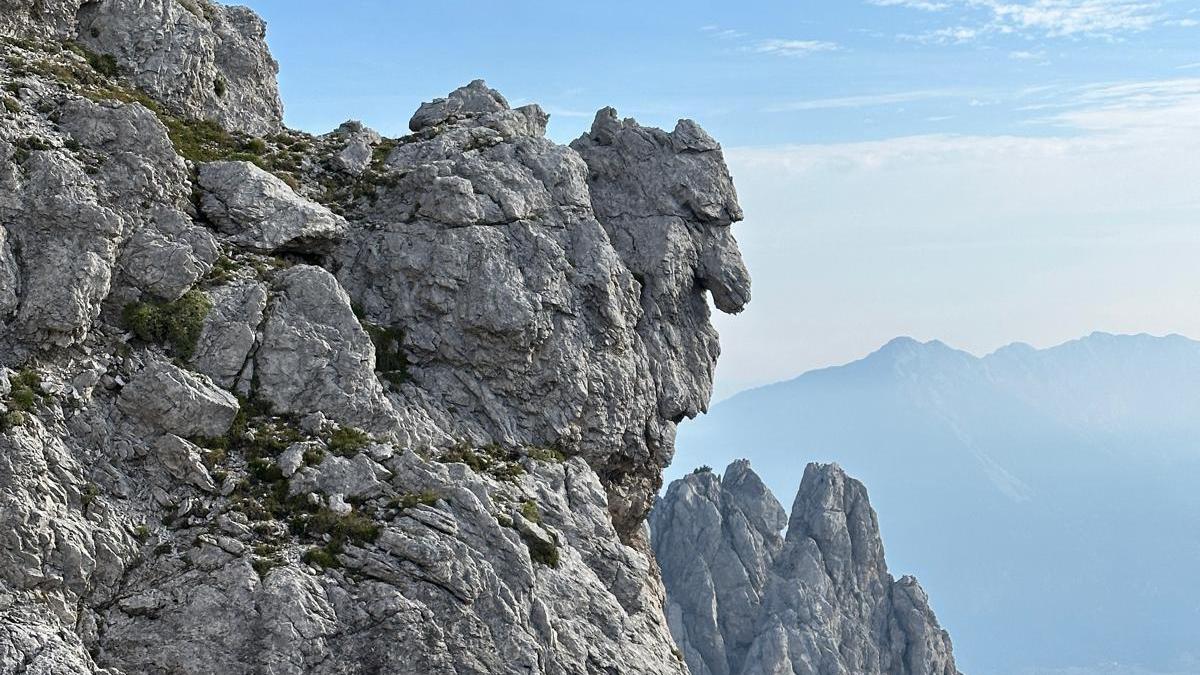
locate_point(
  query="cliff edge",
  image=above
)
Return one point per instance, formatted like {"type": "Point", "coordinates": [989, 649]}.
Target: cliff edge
{"type": "Point", "coordinates": [276, 402]}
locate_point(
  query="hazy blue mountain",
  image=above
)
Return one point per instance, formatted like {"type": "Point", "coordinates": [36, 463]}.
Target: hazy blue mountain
{"type": "Point", "coordinates": [1049, 500]}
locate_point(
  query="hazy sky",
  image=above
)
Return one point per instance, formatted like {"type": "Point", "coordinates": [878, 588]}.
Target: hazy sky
{"type": "Point", "coordinates": [978, 171]}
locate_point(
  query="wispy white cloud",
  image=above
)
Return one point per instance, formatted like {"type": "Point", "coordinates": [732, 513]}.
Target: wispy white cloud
{"type": "Point", "coordinates": [861, 101]}
{"type": "Point", "coordinates": [724, 33]}
{"type": "Point", "coordinates": [1160, 108]}
{"type": "Point", "coordinates": [1142, 118]}
{"type": "Point", "coordinates": [944, 36]}
{"type": "Point", "coordinates": [1061, 18]}
{"type": "Point", "coordinates": [1107, 19]}
{"type": "Point", "coordinates": [923, 5]}
{"type": "Point", "coordinates": [793, 48]}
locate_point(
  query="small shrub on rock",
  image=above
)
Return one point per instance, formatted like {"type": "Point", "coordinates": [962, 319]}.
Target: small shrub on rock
{"type": "Point", "coordinates": [176, 323]}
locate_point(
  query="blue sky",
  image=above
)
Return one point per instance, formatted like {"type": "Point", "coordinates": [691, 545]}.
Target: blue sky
{"type": "Point", "coordinates": [977, 171]}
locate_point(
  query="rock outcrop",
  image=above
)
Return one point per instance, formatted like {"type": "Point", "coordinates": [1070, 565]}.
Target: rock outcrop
{"type": "Point", "coordinates": [275, 402]}
{"type": "Point", "coordinates": [743, 598]}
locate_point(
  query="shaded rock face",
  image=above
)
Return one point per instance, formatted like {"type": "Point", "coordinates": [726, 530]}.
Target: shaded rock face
{"type": "Point", "coordinates": [743, 598]}
{"type": "Point", "coordinates": [358, 405]}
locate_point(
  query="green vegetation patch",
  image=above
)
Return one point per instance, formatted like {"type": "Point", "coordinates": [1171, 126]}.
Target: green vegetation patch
{"type": "Point", "coordinates": [548, 455]}
{"type": "Point", "coordinates": [493, 460]}
{"type": "Point", "coordinates": [103, 64]}
{"type": "Point", "coordinates": [348, 441]}
{"type": "Point", "coordinates": [529, 509]}
{"type": "Point", "coordinates": [410, 500]}
{"type": "Point", "coordinates": [24, 394]}
{"type": "Point", "coordinates": [351, 528]}
{"type": "Point", "coordinates": [177, 323]}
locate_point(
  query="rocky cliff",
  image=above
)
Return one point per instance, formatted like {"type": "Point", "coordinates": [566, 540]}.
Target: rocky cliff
{"type": "Point", "coordinates": [744, 598]}
{"type": "Point", "coordinates": [281, 403]}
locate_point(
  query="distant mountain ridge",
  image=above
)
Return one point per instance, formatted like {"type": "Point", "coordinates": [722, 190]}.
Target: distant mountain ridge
{"type": "Point", "coordinates": [1024, 487]}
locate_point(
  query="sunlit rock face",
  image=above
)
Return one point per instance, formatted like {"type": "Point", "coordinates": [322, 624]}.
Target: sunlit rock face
{"type": "Point", "coordinates": [274, 402]}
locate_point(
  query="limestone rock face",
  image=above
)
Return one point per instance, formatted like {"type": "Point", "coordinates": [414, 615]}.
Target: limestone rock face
{"type": "Point", "coordinates": [261, 213]}
{"type": "Point", "coordinates": [490, 246]}
{"type": "Point", "coordinates": [199, 58]}
{"type": "Point", "coordinates": [314, 356]}
{"type": "Point", "coordinates": [50, 18]}
{"type": "Point", "coordinates": [385, 405]}
{"type": "Point", "coordinates": [175, 401]}
{"type": "Point", "coordinates": [744, 599]}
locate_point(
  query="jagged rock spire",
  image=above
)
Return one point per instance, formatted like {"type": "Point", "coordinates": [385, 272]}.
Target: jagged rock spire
{"type": "Point", "coordinates": [743, 599]}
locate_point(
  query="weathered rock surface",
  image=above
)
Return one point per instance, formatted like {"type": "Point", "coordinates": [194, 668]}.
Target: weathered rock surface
{"type": "Point", "coordinates": [383, 405]}
{"type": "Point", "coordinates": [743, 598]}
{"type": "Point", "coordinates": [199, 58]}
{"type": "Point", "coordinates": [315, 357]}
{"type": "Point", "coordinates": [485, 248]}
{"type": "Point", "coordinates": [174, 401]}
{"type": "Point", "coordinates": [358, 145]}
{"type": "Point", "coordinates": [261, 213]}
{"type": "Point", "coordinates": [230, 332]}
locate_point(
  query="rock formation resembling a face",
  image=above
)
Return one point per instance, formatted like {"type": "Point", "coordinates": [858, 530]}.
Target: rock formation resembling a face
{"type": "Point", "coordinates": [558, 294]}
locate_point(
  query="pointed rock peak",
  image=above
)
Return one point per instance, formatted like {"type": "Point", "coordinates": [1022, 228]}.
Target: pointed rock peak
{"type": "Point", "coordinates": [833, 510]}
{"type": "Point", "coordinates": [741, 601]}
{"type": "Point", "coordinates": [739, 473]}
{"type": "Point", "coordinates": [689, 136]}
{"type": "Point", "coordinates": [702, 483]}
{"type": "Point", "coordinates": [471, 100]}
{"type": "Point", "coordinates": [742, 486]}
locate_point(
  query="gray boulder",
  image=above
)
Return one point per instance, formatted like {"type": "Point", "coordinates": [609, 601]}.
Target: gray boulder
{"type": "Point", "coordinates": [474, 99]}
{"type": "Point", "coordinates": [358, 144]}
{"type": "Point", "coordinates": [169, 255]}
{"type": "Point", "coordinates": [230, 331]}
{"type": "Point", "coordinates": [744, 599]}
{"type": "Point", "coordinates": [258, 211]}
{"type": "Point", "coordinates": [175, 401]}
{"type": "Point", "coordinates": [181, 458]}
{"type": "Point", "coordinates": [314, 355]}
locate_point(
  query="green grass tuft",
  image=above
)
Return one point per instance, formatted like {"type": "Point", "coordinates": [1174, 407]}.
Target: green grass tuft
{"type": "Point", "coordinates": [177, 323]}
{"type": "Point", "coordinates": [529, 509]}
{"type": "Point", "coordinates": [348, 441]}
